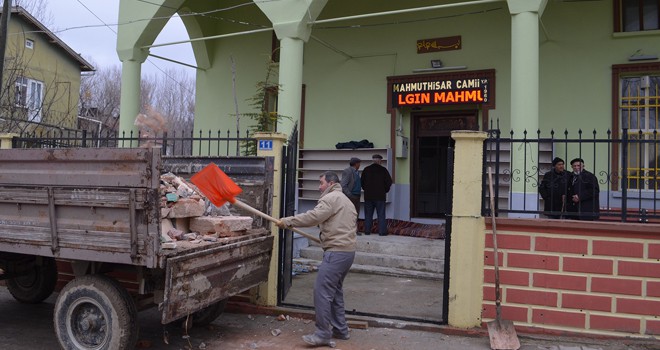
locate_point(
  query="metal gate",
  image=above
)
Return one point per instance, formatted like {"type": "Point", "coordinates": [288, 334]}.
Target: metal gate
{"type": "Point", "coordinates": [288, 205]}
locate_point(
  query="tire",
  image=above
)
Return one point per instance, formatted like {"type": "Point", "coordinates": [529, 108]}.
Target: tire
{"type": "Point", "coordinates": [36, 286]}
{"type": "Point", "coordinates": [205, 316]}
{"type": "Point", "coordinates": [94, 312]}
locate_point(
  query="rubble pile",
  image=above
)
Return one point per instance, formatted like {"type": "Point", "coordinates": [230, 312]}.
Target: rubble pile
{"type": "Point", "coordinates": [187, 216]}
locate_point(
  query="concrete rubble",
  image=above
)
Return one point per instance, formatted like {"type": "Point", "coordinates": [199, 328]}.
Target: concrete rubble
{"type": "Point", "coordinates": [188, 216]}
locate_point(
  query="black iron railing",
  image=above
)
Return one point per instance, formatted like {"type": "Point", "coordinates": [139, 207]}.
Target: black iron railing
{"type": "Point", "coordinates": [626, 166]}
{"type": "Point", "coordinates": [190, 143]}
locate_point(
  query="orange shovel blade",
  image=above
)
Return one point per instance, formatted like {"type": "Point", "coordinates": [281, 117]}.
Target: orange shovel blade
{"type": "Point", "coordinates": [216, 185]}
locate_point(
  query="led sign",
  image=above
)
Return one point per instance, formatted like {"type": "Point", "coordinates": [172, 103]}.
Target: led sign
{"type": "Point", "coordinates": [439, 92]}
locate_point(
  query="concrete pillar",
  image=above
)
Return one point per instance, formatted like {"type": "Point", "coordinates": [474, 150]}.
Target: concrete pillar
{"type": "Point", "coordinates": [466, 263]}
{"type": "Point", "coordinates": [266, 293]}
{"type": "Point", "coordinates": [524, 92]}
{"type": "Point", "coordinates": [131, 75]}
{"type": "Point", "coordinates": [291, 77]}
{"type": "Point", "coordinates": [6, 140]}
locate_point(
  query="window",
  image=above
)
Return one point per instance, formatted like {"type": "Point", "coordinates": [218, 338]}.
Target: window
{"type": "Point", "coordinates": [28, 94]}
{"type": "Point", "coordinates": [639, 112]}
{"type": "Point", "coordinates": [636, 15]}
{"type": "Point", "coordinates": [29, 43]}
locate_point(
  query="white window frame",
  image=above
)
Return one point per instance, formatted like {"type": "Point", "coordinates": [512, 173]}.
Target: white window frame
{"type": "Point", "coordinates": [29, 94]}
{"type": "Point", "coordinates": [29, 43]}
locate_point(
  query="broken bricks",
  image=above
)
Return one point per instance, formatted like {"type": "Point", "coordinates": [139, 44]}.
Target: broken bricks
{"type": "Point", "coordinates": [185, 215]}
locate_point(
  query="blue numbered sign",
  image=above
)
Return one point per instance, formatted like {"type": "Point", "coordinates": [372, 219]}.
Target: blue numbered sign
{"type": "Point", "coordinates": [265, 145]}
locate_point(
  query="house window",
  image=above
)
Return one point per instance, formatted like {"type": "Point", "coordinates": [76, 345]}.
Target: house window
{"type": "Point", "coordinates": [29, 43]}
{"type": "Point", "coordinates": [28, 94]}
{"type": "Point", "coordinates": [639, 112]}
{"type": "Point", "coordinates": [636, 15]}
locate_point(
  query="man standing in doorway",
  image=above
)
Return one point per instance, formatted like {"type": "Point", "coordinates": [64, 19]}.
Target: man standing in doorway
{"type": "Point", "coordinates": [376, 182]}
{"type": "Point", "coordinates": [337, 220]}
{"type": "Point", "coordinates": [583, 193]}
{"type": "Point", "coordinates": [350, 183]}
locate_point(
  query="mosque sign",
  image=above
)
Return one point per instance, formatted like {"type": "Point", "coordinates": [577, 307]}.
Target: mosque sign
{"type": "Point", "coordinates": [440, 92]}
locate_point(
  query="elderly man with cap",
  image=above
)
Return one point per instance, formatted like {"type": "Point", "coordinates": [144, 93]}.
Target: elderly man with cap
{"type": "Point", "coordinates": [583, 199]}
{"type": "Point", "coordinates": [350, 183]}
{"type": "Point", "coordinates": [376, 182]}
{"type": "Point", "coordinates": [554, 188]}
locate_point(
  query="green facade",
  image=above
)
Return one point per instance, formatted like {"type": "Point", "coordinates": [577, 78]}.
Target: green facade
{"type": "Point", "coordinates": [346, 65]}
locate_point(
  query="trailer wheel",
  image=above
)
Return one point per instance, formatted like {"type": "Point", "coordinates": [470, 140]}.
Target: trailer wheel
{"type": "Point", "coordinates": [94, 312]}
{"type": "Point", "coordinates": [36, 286]}
{"type": "Point", "coordinates": [205, 316]}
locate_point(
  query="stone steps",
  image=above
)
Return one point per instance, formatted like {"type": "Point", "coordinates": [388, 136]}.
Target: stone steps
{"type": "Point", "coordinates": [390, 255]}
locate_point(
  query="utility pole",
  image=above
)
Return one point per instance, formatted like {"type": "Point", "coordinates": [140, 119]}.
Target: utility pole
{"type": "Point", "coordinates": [4, 23]}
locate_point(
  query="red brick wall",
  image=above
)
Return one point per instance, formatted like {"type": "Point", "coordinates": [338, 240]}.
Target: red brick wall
{"type": "Point", "coordinates": [568, 276]}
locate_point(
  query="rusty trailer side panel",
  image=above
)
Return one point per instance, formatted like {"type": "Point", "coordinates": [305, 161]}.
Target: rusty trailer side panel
{"type": "Point", "coordinates": [81, 204]}
{"type": "Point", "coordinates": [203, 277]}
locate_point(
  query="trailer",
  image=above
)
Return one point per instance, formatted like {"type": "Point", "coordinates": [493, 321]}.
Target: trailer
{"type": "Point", "coordinates": [97, 214]}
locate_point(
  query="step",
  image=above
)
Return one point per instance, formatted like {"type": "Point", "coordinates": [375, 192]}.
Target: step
{"type": "Point", "coordinates": [385, 271]}
{"type": "Point", "coordinates": [400, 245]}
{"type": "Point", "coordinates": [383, 260]}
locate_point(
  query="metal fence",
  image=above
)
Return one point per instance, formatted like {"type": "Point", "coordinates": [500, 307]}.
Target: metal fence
{"type": "Point", "coordinates": [626, 167]}
{"type": "Point", "coordinates": [190, 143]}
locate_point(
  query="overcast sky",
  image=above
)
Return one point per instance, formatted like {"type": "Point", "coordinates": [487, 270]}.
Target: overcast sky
{"type": "Point", "coordinates": [98, 43]}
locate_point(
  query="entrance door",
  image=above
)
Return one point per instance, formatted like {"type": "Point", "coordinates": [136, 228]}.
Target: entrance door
{"type": "Point", "coordinates": [432, 140]}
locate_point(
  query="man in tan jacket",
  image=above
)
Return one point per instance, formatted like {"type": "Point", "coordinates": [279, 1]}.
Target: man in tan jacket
{"type": "Point", "coordinates": [336, 217]}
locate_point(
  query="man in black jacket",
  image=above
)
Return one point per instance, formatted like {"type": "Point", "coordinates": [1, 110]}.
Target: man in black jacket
{"type": "Point", "coordinates": [553, 189]}
{"type": "Point", "coordinates": [376, 182]}
{"type": "Point", "coordinates": [583, 193]}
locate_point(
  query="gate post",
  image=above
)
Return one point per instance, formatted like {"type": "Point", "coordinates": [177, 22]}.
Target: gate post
{"type": "Point", "coordinates": [266, 293]}
{"type": "Point", "coordinates": [6, 140]}
{"type": "Point", "coordinates": [467, 232]}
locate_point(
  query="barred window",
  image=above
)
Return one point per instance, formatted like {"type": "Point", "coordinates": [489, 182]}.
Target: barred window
{"type": "Point", "coordinates": [639, 104]}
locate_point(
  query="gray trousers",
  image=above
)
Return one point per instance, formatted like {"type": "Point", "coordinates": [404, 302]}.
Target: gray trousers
{"type": "Point", "coordinates": [329, 293]}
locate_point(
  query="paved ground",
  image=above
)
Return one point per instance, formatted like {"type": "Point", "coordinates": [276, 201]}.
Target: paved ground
{"type": "Point", "coordinates": [375, 294]}
{"type": "Point", "coordinates": [27, 327]}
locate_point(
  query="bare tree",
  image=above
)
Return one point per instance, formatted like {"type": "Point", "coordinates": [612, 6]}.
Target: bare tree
{"type": "Point", "coordinates": [171, 95]}
{"type": "Point", "coordinates": [100, 94]}
{"type": "Point", "coordinates": [174, 98]}
{"type": "Point", "coordinates": [38, 9]}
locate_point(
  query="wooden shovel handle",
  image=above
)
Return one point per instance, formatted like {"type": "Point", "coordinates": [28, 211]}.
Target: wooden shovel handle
{"type": "Point", "coordinates": [272, 219]}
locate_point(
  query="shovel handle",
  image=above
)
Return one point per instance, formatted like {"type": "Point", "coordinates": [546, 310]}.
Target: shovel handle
{"type": "Point", "coordinates": [496, 262]}
{"type": "Point", "coordinates": [272, 219]}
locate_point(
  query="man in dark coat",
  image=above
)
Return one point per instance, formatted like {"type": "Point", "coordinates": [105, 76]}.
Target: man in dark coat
{"type": "Point", "coordinates": [376, 182]}
{"type": "Point", "coordinates": [553, 189]}
{"type": "Point", "coordinates": [583, 193]}
{"type": "Point", "coordinates": [350, 183]}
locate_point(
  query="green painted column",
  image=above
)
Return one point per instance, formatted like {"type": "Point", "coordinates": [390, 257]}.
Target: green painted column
{"type": "Point", "coordinates": [524, 94]}
{"type": "Point", "coordinates": [131, 74]}
{"type": "Point", "coordinates": [291, 22]}
{"type": "Point", "coordinates": [291, 79]}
